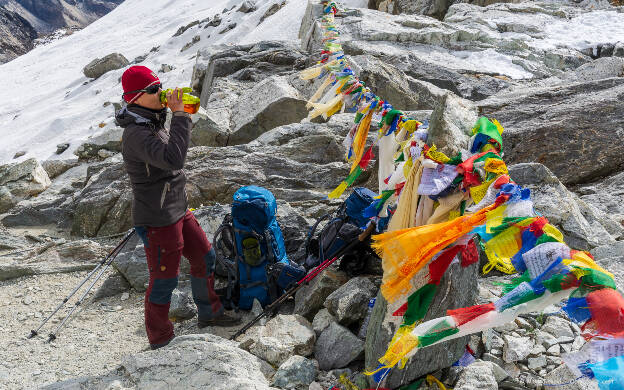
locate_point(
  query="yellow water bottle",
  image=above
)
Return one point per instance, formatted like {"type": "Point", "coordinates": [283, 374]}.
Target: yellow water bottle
{"type": "Point", "coordinates": [191, 103]}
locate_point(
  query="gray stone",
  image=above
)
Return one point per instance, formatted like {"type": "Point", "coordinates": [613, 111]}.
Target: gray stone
{"type": "Point", "coordinates": [182, 305]}
{"type": "Point", "coordinates": [545, 339]}
{"type": "Point", "coordinates": [207, 132]}
{"type": "Point", "coordinates": [113, 285]}
{"type": "Point", "coordinates": [183, 29]}
{"type": "Point", "coordinates": [562, 374]}
{"type": "Point", "coordinates": [451, 123]}
{"type": "Point", "coordinates": [309, 299]}
{"type": "Point", "coordinates": [271, 103]}
{"type": "Point", "coordinates": [294, 372]}
{"type": "Point", "coordinates": [322, 319]}
{"type": "Point", "coordinates": [22, 180]}
{"type": "Point", "coordinates": [537, 362]}
{"type": "Point", "coordinates": [605, 195]}
{"type": "Point", "coordinates": [516, 348]}
{"type": "Point", "coordinates": [349, 303]}
{"type": "Point", "coordinates": [109, 141]}
{"type": "Point", "coordinates": [458, 288]}
{"type": "Point", "coordinates": [56, 168]}
{"type": "Point", "coordinates": [60, 148]}
{"type": "Point", "coordinates": [337, 347]}
{"type": "Point", "coordinates": [558, 327]}
{"type": "Point", "coordinates": [283, 337]}
{"type": "Point", "coordinates": [583, 226]}
{"type": "Point", "coordinates": [247, 7]}
{"type": "Point", "coordinates": [478, 375]}
{"type": "Point", "coordinates": [100, 66]}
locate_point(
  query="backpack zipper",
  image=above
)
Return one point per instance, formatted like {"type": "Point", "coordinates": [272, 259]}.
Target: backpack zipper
{"type": "Point", "coordinates": [166, 188]}
{"type": "Point", "coordinates": [147, 169]}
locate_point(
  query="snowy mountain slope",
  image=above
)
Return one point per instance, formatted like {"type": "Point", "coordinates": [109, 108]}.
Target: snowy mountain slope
{"type": "Point", "coordinates": [49, 101]}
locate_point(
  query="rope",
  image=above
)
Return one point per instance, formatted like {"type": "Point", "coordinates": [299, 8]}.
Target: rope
{"type": "Point", "coordinates": [563, 384]}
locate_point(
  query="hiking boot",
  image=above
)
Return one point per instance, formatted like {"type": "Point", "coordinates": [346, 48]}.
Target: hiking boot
{"type": "Point", "coordinates": [156, 346]}
{"type": "Point", "coordinates": [222, 320]}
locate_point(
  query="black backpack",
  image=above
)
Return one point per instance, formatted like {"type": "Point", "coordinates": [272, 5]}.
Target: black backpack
{"type": "Point", "coordinates": [343, 228]}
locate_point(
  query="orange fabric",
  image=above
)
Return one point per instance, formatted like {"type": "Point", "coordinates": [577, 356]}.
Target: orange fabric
{"type": "Point", "coordinates": [404, 252]}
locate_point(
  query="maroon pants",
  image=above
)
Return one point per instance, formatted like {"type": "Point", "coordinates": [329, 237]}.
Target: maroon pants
{"type": "Point", "coordinates": [164, 246]}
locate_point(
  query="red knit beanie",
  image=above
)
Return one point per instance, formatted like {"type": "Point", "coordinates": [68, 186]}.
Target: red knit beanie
{"type": "Point", "coordinates": [135, 78]}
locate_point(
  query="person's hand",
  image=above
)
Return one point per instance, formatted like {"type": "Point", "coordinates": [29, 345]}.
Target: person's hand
{"type": "Point", "coordinates": [174, 100]}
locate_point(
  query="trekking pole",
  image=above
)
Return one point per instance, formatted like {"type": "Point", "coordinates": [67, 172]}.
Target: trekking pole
{"type": "Point", "coordinates": [305, 280]}
{"type": "Point", "coordinates": [113, 253]}
{"type": "Point", "coordinates": [116, 251]}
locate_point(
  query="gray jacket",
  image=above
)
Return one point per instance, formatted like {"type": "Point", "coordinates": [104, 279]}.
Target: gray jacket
{"type": "Point", "coordinates": [154, 159]}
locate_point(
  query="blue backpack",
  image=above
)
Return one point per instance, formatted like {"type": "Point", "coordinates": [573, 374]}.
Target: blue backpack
{"type": "Point", "coordinates": [263, 268]}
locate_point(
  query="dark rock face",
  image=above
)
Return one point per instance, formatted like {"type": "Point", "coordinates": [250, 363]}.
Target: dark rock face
{"type": "Point", "coordinates": [58, 14]}
{"type": "Point", "coordinates": [16, 35]}
{"type": "Point", "coordinates": [458, 288]}
{"type": "Point", "coordinates": [573, 129]}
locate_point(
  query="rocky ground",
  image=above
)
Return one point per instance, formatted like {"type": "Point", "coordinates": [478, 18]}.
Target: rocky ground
{"type": "Point", "coordinates": [562, 112]}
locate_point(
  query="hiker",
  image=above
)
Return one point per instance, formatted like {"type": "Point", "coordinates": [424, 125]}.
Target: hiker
{"type": "Point", "coordinates": [153, 158]}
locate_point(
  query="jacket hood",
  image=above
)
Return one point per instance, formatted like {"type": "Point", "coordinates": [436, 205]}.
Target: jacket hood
{"type": "Point", "coordinates": [134, 114]}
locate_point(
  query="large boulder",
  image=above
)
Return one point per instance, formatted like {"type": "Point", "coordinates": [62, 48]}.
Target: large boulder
{"type": "Point", "coordinates": [20, 181]}
{"type": "Point", "coordinates": [100, 66]}
{"type": "Point", "coordinates": [451, 122]}
{"type": "Point", "coordinates": [349, 303]}
{"type": "Point", "coordinates": [458, 288]}
{"type": "Point", "coordinates": [583, 226]}
{"type": "Point", "coordinates": [611, 257]}
{"type": "Point", "coordinates": [188, 362]}
{"type": "Point", "coordinates": [559, 124]}
{"type": "Point", "coordinates": [271, 103]}
{"type": "Point", "coordinates": [337, 347]}
{"type": "Point", "coordinates": [283, 337]}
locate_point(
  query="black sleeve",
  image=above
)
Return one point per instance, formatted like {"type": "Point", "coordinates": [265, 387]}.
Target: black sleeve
{"type": "Point", "coordinates": [144, 145]}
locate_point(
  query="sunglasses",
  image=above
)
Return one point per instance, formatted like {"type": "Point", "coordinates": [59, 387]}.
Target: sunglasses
{"type": "Point", "coordinates": [152, 89]}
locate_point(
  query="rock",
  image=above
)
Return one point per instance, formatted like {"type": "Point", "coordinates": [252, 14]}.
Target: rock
{"type": "Point", "coordinates": [451, 124]}
{"type": "Point", "coordinates": [310, 299]}
{"type": "Point", "coordinates": [349, 303]}
{"type": "Point", "coordinates": [109, 140]}
{"type": "Point", "coordinates": [537, 362]}
{"type": "Point", "coordinates": [182, 305]}
{"type": "Point", "coordinates": [265, 58]}
{"type": "Point", "coordinates": [229, 27]}
{"type": "Point", "coordinates": [315, 386]}
{"type": "Point", "coordinates": [19, 154]}
{"type": "Point", "coordinates": [283, 337]}
{"type": "Point", "coordinates": [559, 328]}
{"type": "Point", "coordinates": [247, 7]}
{"type": "Point", "coordinates": [192, 362]}
{"type": "Point", "coordinates": [113, 285]}
{"type": "Point", "coordinates": [21, 180]}
{"type": "Point", "coordinates": [478, 375]}
{"type": "Point", "coordinates": [458, 288]}
{"type": "Point", "coordinates": [583, 226]}
{"type": "Point", "coordinates": [516, 348]}
{"type": "Point", "coordinates": [605, 195]}
{"type": "Point", "coordinates": [554, 350]}
{"type": "Point", "coordinates": [545, 339]}
{"type": "Point", "coordinates": [183, 29]}
{"type": "Point", "coordinates": [488, 357]}
{"type": "Point", "coordinates": [294, 372]}
{"type": "Point", "coordinates": [562, 374]}
{"type": "Point", "coordinates": [100, 66]}
{"type": "Point", "coordinates": [387, 81]}
{"type": "Point", "coordinates": [556, 122]}
{"type": "Point", "coordinates": [272, 10]}
{"type": "Point", "coordinates": [60, 148]}
{"type": "Point", "coordinates": [56, 168]}
{"type": "Point", "coordinates": [271, 103]}
{"type": "Point", "coordinates": [337, 347]}
{"type": "Point", "coordinates": [322, 319]}
{"type": "Point", "coordinates": [206, 132]}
